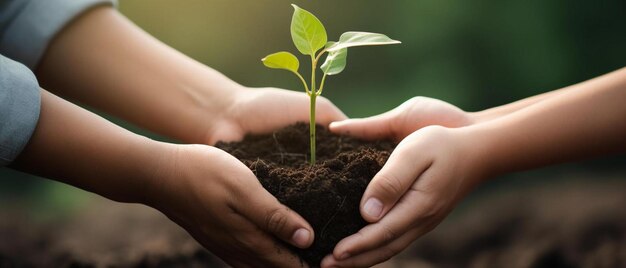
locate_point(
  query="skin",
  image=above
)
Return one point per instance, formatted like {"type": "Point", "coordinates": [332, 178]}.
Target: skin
{"type": "Point", "coordinates": [143, 81]}
{"type": "Point", "coordinates": [104, 61]}
{"type": "Point", "coordinates": [438, 162]}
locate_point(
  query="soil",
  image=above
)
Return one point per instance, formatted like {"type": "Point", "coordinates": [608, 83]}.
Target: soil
{"type": "Point", "coordinates": [558, 222]}
{"type": "Point", "coordinates": [326, 194]}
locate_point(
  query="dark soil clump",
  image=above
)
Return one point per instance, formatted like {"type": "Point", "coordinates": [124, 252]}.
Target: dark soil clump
{"type": "Point", "coordinates": [327, 194]}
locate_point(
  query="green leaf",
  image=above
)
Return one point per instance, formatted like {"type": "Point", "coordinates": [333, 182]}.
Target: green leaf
{"type": "Point", "coordinates": [282, 60]}
{"type": "Point", "coordinates": [353, 39]}
{"type": "Point", "coordinates": [335, 61]}
{"type": "Point", "coordinates": [307, 32]}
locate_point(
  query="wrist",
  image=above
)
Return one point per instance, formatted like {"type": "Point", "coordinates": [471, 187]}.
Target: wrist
{"type": "Point", "coordinates": [477, 149]}
{"type": "Point", "coordinates": [218, 105]}
{"type": "Point", "coordinates": [153, 162]}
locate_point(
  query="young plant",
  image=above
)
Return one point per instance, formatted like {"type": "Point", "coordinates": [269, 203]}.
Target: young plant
{"type": "Point", "coordinates": [309, 37]}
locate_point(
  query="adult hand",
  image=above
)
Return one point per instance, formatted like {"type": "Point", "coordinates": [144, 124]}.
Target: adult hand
{"type": "Point", "coordinates": [413, 114]}
{"type": "Point", "coordinates": [145, 82]}
{"type": "Point", "coordinates": [220, 202]}
{"type": "Point", "coordinates": [263, 110]}
{"type": "Point", "coordinates": [425, 176]}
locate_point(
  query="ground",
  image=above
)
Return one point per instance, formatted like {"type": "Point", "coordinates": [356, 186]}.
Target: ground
{"type": "Point", "coordinates": [577, 222]}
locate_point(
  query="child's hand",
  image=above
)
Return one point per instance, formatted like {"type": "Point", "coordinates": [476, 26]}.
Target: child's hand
{"type": "Point", "coordinates": [413, 114]}
{"type": "Point", "coordinates": [422, 180]}
{"type": "Point", "coordinates": [220, 202]}
{"type": "Point", "coordinates": [263, 110]}
{"type": "Point", "coordinates": [425, 176]}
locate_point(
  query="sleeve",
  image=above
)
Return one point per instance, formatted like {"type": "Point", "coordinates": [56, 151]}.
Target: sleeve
{"type": "Point", "coordinates": [26, 29]}
{"type": "Point", "coordinates": [20, 100]}
{"type": "Point", "coordinates": [27, 26]}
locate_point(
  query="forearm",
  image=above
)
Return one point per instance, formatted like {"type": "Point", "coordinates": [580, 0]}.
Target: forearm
{"type": "Point", "coordinates": [105, 61]}
{"type": "Point", "coordinates": [77, 147]}
{"type": "Point", "coordinates": [499, 111]}
{"type": "Point", "coordinates": [587, 120]}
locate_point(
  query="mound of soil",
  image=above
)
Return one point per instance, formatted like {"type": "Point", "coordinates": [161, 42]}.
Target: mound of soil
{"type": "Point", "coordinates": [326, 194]}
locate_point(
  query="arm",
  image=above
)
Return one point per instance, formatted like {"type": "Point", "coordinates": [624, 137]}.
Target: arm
{"type": "Point", "coordinates": [499, 111]}
{"type": "Point", "coordinates": [587, 120]}
{"type": "Point", "coordinates": [105, 61]}
{"type": "Point", "coordinates": [216, 198]}
{"type": "Point", "coordinates": [419, 112]}
{"type": "Point", "coordinates": [434, 167]}
{"type": "Point", "coordinates": [76, 147]}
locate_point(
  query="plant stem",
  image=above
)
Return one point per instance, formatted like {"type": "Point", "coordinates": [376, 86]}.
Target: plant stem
{"type": "Point", "coordinates": [312, 111]}
{"type": "Point", "coordinates": [319, 91]}
{"type": "Point", "coordinates": [306, 88]}
{"type": "Point", "coordinates": [312, 128]}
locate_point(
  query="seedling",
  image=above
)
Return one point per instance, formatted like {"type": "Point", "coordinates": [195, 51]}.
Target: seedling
{"type": "Point", "coordinates": [309, 37]}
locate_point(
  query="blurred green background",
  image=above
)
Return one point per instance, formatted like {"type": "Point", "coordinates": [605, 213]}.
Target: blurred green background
{"type": "Point", "coordinates": [474, 54]}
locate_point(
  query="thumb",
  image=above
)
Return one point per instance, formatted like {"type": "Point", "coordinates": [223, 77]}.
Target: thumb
{"type": "Point", "coordinates": [267, 213]}
{"type": "Point", "coordinates": [391, 183]}
{"type": "Point", "coordinates": [370, 128]}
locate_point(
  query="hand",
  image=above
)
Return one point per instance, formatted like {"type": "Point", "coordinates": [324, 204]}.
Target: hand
{"type": "Point", "coordinates": [220, 202]}
{"type": "Point", "coordinates": [145, 82]}
{"type": "Point", "coordinates": [378, 241]}
{"type": "Point", "coordinates": [415, 113]}
{"type": "Point", "coordinates": [423, 179]}
{"type": "Point", "coordinates": [266, 109]}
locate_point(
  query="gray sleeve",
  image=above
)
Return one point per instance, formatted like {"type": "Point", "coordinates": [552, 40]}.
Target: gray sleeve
{"type": "Point", "coordinates": [27, 26]}
{"type": "Point", "coordinates": [19, 108]}
{"type": "Point", "coordinates": [26, 29]}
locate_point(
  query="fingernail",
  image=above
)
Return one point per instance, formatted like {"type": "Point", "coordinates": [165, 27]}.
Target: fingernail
{"type": "Point", "coordinates": [373, 207]}
{"type": "Point", "coordinates": [301, 237]}
{"type": "Point", "coordinates": [334, 124]}
{"type": "Point", "coordinates": [344, 256]}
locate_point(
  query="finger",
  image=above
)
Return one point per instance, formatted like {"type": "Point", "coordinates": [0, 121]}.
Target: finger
{"type": "Point", "coordinates": [378, 255]}
{"type": "Point", "coordinates": [392, 182]}
{"type": "Point", "coordinates": [260, 249]}
{"type": "Point", "coordinates": [243, 238]}
{"type": "Point", "coordinates": [267, 252]}
{"type": "Point", "coordinates": [264, 210]}
{"type": "Point", "coordinates": [413, 210]}
{"type": "Point", "coordinates": [328, 112]}
{"type": "Point", "coordinates": [371, 128]}
{"type": "Point", "coordinates": [221, 250]}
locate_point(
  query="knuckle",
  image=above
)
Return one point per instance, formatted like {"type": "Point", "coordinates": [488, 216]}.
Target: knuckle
{"type": "Point", "coordinates": [389, 185]}
{"type": "Point", "coordinates": [388, 234]}
{"type": "Point", "coordinates": [247, 244]}
{"type": "Point", "coordinates": [429, 207]}
{"type": "Point", "coordinates": [276, 220]}
{"type": "Point", "coordinates": [435, 130]}
{"type": "Point", "coordinates": [324, 103]}
{"type": "Point", "coordinates": [328, 109]}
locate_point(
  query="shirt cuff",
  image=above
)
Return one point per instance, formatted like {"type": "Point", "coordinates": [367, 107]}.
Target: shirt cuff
{"type": "Point", "coordinates": [29, 34]}
{"type": "Point", "coordinates": [20, 102]}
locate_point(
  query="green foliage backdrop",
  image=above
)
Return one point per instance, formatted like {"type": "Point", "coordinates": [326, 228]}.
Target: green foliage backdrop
{"type": "Point", "coordinates": [475, 54]}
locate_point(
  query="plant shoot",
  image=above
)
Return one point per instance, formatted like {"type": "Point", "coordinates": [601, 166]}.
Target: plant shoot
{"type": "Point", "coordinates": [309, 37]}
